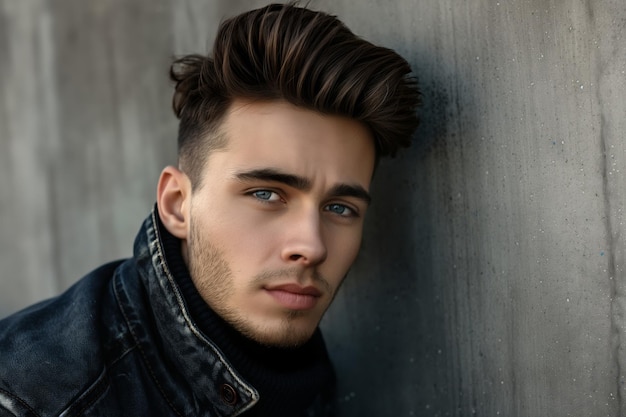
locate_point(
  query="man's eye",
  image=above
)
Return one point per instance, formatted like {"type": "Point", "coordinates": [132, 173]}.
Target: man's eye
{"type": "Point", "coordinates": [265, 195]}
{"type": "Point", "coordinates": [341, 210]}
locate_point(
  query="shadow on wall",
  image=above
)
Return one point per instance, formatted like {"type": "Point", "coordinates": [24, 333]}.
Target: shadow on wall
{"type": "Point", "coordinates": [387, 329]}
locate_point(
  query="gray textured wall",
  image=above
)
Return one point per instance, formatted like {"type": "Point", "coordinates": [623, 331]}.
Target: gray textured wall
{"type": "Point", "coordinates": [491, 280]}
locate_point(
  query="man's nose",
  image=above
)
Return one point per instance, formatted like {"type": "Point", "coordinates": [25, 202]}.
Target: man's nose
{"type": "Point", "coordinates": [305, 243]}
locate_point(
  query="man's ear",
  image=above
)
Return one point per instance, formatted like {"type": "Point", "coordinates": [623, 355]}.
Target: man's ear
{"type": "Point", "coordinates": [174, 201]}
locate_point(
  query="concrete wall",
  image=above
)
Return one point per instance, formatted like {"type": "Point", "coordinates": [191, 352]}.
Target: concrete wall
{"type": "Point", "coordinates": [491, 280]}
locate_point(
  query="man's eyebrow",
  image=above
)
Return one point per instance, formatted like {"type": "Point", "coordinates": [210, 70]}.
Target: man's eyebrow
{"type": "Point", "coordinates": [302, 183]}
{"type": "Point", "coordinates": [349, 190]}
{"type": "Point", "coordinates": [270, 174]}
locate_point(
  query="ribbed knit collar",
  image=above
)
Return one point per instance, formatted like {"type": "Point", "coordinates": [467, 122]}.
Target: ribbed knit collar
{"type": "Point", "coordinates": [287, 379]}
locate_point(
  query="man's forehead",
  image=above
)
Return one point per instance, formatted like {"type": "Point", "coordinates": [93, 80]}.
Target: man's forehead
{"type": "Point", "coordinates": [295, 141]}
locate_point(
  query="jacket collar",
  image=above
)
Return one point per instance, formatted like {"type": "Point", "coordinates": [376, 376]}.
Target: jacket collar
{"type": "Point", "coordinates": [189, 369]}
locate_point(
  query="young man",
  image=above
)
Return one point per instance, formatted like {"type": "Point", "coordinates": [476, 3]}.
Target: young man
{"type": "Point", "coordinates": [217, 312]}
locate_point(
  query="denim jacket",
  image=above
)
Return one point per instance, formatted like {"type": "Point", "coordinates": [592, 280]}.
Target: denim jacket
{"type": "Point", "coordinates": [120, 342]}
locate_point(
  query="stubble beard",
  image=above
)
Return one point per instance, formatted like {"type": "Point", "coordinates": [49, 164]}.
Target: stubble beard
{"type": "Point", "coordinates": [213, 278]}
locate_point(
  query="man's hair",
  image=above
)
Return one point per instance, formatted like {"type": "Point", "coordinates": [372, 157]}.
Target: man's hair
{"type": "Point", "coordinates": [307, 58]}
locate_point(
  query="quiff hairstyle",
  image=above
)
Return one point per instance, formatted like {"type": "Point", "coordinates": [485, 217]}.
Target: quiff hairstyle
{"type": "Point", "coordinates": [307, 58]}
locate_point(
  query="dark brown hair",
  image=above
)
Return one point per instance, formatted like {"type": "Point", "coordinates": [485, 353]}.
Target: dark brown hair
{"type": "Point", "coordinates": [308, 58]}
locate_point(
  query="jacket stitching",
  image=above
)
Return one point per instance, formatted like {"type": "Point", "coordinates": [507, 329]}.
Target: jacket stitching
{"type": "Point", "coordinates": [94, 393]}
{"type": "Point", "coordinates": [143, 355]}
{"type": "Point", "coordinates": [126, 352]}
{"type": "Point", "coordinates": [24, 403]}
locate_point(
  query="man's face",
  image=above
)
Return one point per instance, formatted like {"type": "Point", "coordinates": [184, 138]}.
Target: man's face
{"type": "Point", "coordinates": [277, 219]}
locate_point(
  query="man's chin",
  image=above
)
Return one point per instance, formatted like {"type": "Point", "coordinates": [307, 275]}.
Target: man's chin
{"type": "Point", "coordinates": [285, 336]}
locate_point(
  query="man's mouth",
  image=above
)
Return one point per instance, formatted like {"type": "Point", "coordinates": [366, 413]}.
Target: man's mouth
{"type": "Point", "coordinates": [294, 296]}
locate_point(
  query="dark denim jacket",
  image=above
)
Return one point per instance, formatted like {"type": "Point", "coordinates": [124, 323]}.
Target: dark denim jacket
{"type": "Point", "coordinates": [120, 342]}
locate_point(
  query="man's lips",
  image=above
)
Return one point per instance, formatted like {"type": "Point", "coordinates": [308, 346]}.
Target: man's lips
{"type": "Point", "coordinates": [296, 289]}
{"type": "Point", "coordinates": [295, 297]}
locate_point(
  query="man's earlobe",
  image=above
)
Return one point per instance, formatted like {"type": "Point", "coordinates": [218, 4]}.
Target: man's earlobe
{"type": "Point", "coordinates": [173, 200]}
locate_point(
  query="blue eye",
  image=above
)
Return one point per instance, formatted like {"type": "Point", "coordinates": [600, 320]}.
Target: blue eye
{"type": "Point", "coordinates": [265, 195]}
{"type": "Point", "coordinates": [341, 210]}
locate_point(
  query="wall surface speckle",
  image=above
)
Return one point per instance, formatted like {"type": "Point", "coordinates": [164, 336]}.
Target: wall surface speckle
{"type": "Point", "coordinates": [491, 279]}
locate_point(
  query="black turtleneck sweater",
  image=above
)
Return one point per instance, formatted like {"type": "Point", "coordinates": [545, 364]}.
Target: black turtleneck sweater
{"type": "Point", "coordinates": [288, 379]}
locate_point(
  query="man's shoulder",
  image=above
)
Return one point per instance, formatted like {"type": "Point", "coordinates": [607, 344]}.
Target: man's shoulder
{"type": "Point", "coordinates": [51, 352]}
{"type": "Point", "coordinates": [63, 315]}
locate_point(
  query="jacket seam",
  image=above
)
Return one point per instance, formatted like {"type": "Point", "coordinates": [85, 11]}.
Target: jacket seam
{"type": "Point", "coordinates": [126, 352]}
{"type": "Point", "coordinates": [143, 355]}
{"type": "Point", "coordinates": [24, 403]}
{"type": "Point", "coordinates": [95, 392]}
